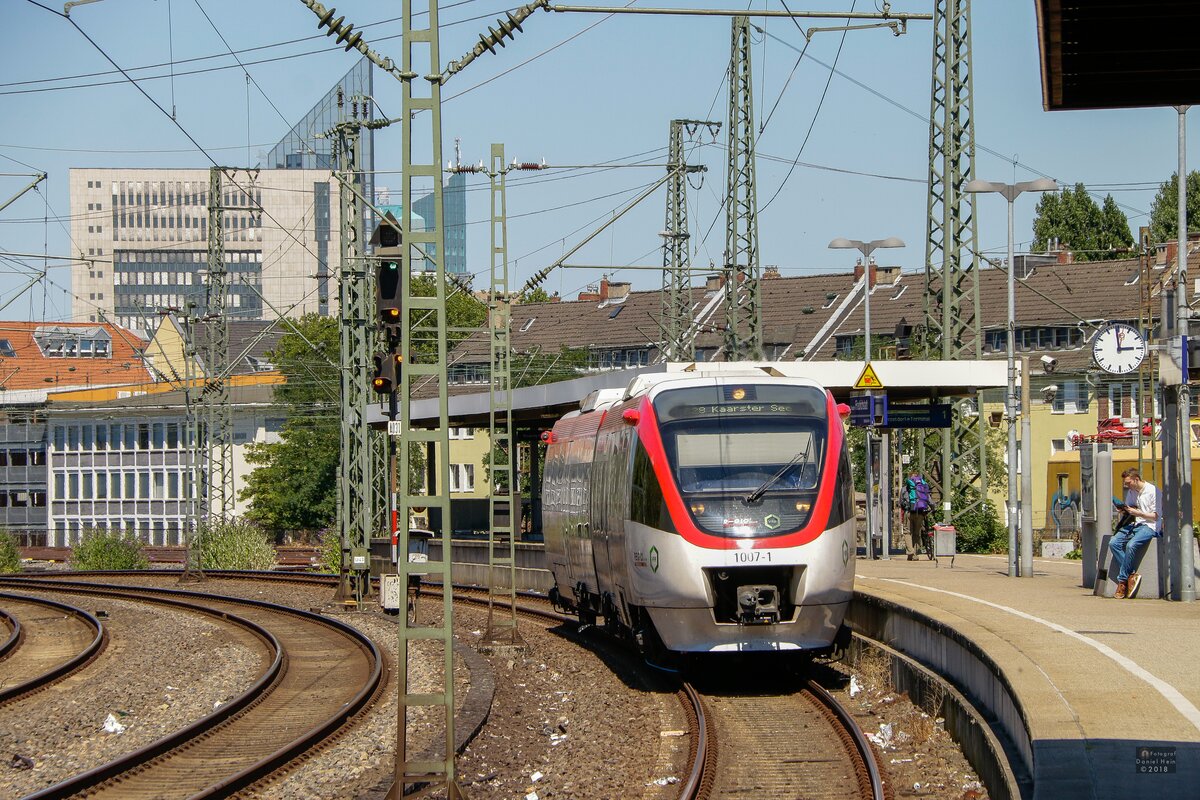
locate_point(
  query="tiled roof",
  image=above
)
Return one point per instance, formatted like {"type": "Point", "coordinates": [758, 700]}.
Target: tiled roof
{"type": "Point", "coordinates": [24, 365]}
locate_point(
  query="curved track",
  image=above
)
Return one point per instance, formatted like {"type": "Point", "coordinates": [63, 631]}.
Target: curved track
{"type": "Point", "coordinates": [797, 742]}
{"type": "Point", "coordinates": [321, 674]}
{"type": "Point", "coordinates": [48, 641]}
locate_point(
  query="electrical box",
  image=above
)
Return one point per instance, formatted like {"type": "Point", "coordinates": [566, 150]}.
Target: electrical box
{"type": "Point", "coordinates": [360, 559]}
{"type": "Point", "coordinates": [390, 593]}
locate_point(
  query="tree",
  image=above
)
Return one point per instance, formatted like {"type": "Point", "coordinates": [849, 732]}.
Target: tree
{"type": "Point", "coordinates": [1164, 212]}
{"type": "Point", "coordinates": [1077, 223]}
{"type": "Point", "coordinates": [294, 483]}
{"type": "Point", "coordinates": [535, 295]}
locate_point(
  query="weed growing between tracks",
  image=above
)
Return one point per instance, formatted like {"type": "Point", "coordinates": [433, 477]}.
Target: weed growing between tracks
{"type": "Point", "coordinates": [914, 747]}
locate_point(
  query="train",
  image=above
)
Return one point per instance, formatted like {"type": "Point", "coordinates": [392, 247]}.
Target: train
{"type": "Point", "coordinates": [704, 514]}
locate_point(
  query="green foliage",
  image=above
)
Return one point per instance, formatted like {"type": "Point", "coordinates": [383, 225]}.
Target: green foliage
{"type": "Point", "coordinates": [464, 313]}
{"type": "Point", "coordinates": [1072, 217]}
{"type": "Point", "coordinates": [236, 544]}
{"type": "Point", "coordinates": [1164, 211]}
{"type": "Point", "coordinates": [980, 530]}
{"type": "Point", "coordinates": [535, 295]}
{"type": "Point", "coordinates": [331, 552]}
{"type": "Point", "coordinates": [293, 486]}
{"type": "Point", "coordinates": [100, 549]}
{"type": "Point", "coordinates": [1074, 555]}
{"type": "Point", "coordinates": [10, 557]}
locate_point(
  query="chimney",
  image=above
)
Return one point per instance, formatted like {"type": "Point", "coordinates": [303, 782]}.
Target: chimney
{"type": "Point", "coordinates": [1066, 257]}
{"type": "Point", "coordinates": [713, 282]}
{"type": "Point", "coordinates": [617, 290]}
{"type": "Point", "coordinates": [603, 288]}
{"type": "Point", "coordinates": [770, 271]}
{"type": "Point", "coordinates": [591, 293]}
{"type": "Point", "coordinates": [858, 272]}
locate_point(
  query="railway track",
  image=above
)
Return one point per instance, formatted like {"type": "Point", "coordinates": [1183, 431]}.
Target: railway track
{"type": "Point", "coordinates": [320, 674]}
{"type": "Point", "coordinates": [796, 741]}
{"type": "Point", "coordinates": [47, 641]}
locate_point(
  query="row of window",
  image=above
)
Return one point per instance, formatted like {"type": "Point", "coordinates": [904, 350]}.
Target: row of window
{"type": "Point", "coordinates": [22, 458]}
{"type": "Point", "coordinates": [118, 436]}
{"type": "Point", "coordinates": [156, 531]}
{"type": "Point", "coordinates": [21, 498]}
{"type": "Point", "coordinates": [1035, 338]}
{"type": "Point", "coordinates": [125, 485]}
{"type": "Point", "coordinates": [194, 257]}
{"type": "Point", "coordinates": [61, 342]}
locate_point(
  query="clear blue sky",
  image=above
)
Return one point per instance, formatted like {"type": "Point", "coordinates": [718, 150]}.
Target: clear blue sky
{"type": "Point", "coordinates": [605, 93]}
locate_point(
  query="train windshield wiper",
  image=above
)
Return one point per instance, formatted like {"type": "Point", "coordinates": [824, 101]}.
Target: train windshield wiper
{"type": "Point", "coordinates": [757, 494]}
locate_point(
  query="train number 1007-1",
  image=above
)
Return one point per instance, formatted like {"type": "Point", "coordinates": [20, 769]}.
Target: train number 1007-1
{"type": "Point", "coordinates": [751, 556]}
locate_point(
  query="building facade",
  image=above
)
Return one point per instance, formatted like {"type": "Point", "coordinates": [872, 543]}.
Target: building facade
{"type": "Point", "coordinates": [143, 240]}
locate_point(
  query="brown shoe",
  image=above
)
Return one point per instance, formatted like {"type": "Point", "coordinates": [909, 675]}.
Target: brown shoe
{"type": "Point", "coordinates": [1135, 580]}
{"type": "Point", "coordinates": [1121, 589]}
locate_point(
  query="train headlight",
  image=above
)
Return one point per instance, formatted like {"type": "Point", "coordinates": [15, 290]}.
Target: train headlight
{"type": "Point", "coordinates": [697, 508]}
{"type": "Point", "coordinates": [803, 507]}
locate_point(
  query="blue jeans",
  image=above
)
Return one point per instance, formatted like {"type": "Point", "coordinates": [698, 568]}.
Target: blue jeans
{"type": "Point", "coordinates": [1127, 544]}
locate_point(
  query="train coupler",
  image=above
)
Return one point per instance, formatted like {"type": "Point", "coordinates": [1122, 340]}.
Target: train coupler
{"type": "Point", "coordinates": [758, 604]}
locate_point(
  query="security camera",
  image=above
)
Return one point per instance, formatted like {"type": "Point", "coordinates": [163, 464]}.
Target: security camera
{"type": "Point", "coordinates": [1049, 364]}
{"type": "Point", "coordinates": [1049, 392]}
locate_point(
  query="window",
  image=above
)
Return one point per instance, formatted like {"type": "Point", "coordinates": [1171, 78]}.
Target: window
{"type": "Point", "coordinates": [73, 437]}
{"type": "Point", "coordinates": [18, 458]}
{"type": "Point", "coordinates": [130, 478]}
{"type": "Point", "coordinates": [60, 438]}
{"type": "Point", "coordinates": [114, 485]}
{"type": "Point", "coordinates": [88, 443]}
{"type": "Point", "coordinates": [60, 485]}
{"type": "Point", "coordinates": [143, 436]}
{"type": "Point", "coordinates": [87, 486]}
{"type": "Point", "coordinates": [172, 436]}
{"type": "Point", "coordinates": [101, 437]}
{"type": "Point", "coordinates": [159, 436]}
{"type": "Point", "coordinates": [73, 486]}
{"type": "Point", "coordinates": [159, 483]}
{"type": "Point", "coordinates": [6, 349]}
{"type": "Point", "coordinates": [462, 477]}
{"type": "Point", "coordinates": [1072, 398]}
{"type": "Point", "coordinates": [143, 485]}
{"type": "Point", "coordinates": [101, 486]}
{"type": "Point", "coordinates": [462, 433]}
{"type": "Point", "coordinates": [173, 485]}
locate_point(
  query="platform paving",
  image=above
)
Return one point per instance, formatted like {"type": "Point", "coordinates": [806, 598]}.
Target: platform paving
{"type": "Point", "coordinates": [1108, 690]}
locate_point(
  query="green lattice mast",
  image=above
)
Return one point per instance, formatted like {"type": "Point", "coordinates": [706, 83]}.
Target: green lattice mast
{"type": "Point", "coordinates": [743, 321]}
{"type": "Point", "coordinates": [952, 319]}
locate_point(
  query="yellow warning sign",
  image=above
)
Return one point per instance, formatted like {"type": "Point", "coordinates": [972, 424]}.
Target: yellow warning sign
{"type": "Point", "coordinates": [868, 379]}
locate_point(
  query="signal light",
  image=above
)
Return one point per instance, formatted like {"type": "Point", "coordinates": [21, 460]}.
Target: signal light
{"type": "Point", "coordinates": [387, 372]}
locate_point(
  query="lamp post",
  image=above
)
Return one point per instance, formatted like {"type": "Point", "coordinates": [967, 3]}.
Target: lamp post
{"type": "Point", "coordinates": [1010, 191]}
{"type": "Point", "coordinates": [866, 248]}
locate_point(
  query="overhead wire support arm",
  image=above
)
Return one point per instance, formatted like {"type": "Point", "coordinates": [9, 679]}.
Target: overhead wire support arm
{"type": "Point", "coordinates": [37, 178]}
{"type": "Point", "coordinates": [494, 38]}
{"type": "Point", "coordinates": [353, 40]}
{"type": "Point", "coordinates": [536, 279]}
{"type": "Point", "coordinates": [886, 14]}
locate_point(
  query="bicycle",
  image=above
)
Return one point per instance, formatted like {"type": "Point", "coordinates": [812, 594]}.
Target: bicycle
{"type": "Point", "coordinates": [924, 543]}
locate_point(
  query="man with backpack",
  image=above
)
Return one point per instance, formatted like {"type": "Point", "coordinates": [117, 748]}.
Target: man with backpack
{"type": "Point", "coordinates": [915, 501]}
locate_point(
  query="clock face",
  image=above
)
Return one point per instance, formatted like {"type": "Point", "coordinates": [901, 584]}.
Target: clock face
{"type": "Point", "coordinates": [1118, 349]}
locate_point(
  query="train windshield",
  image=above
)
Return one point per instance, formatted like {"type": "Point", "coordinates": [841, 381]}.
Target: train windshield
{"type": "Point", "coordinates": [747, 458]}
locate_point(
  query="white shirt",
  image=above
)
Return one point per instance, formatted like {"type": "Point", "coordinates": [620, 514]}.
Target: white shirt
{"type": "Point", "coordinates": [1148, 500]}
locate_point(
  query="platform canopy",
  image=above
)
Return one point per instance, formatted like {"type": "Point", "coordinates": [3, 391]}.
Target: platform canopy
{"type": "Point", "coordinates": [902, 381]}
{"type": "Point", "coordinates": [1118, 53]}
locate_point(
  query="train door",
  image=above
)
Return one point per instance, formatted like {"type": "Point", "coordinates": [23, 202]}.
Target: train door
{"type": "Point", "coordinates": [603, 519]}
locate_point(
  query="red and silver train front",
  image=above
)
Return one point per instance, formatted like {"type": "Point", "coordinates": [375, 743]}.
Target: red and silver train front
{"type": "Point", "coordinates": [739, 532]}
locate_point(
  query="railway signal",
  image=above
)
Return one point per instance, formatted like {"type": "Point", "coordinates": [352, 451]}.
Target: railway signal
{"type": "Point", "coordinates": [387, 372]}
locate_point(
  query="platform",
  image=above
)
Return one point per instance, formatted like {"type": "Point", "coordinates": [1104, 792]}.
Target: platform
{"type": "Point", "coordinates": [1100, 697]}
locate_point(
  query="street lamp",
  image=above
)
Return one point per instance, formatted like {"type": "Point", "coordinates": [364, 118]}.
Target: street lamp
{"type": "Point", "coordinates": [866, 248]}
{"type": "Point", "coordinates": [1010, 191]}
